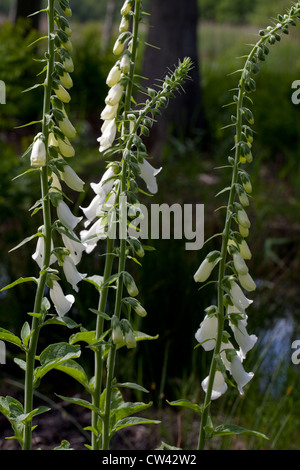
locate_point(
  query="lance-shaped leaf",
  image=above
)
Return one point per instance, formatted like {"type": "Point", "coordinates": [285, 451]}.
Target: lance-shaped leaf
{"type": "Point", "coordinates": [6, 335]}
{"type": "Point", "coordinates": [54, 356]}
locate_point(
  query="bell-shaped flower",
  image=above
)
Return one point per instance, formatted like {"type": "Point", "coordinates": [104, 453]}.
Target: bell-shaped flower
{"type": "Point", "coordinates": [109, 112]}
{"type": "Point", "coordinates": [38, 255]}
{"type": "Point", "coordinates": [207, 333]}
{"type": "Point", "coordinates": [245, 341]}
{"type": "Point", "coordinates": [238, 297]}
{"type": "Point", "coordinates": [114, 95]}
{"type": "Point", "coordinates": [62, 302]}
{"type": "Point", "coordinates": [70, 177]}
{"type": "Point", "coordinates": [109, 130]}
{"type": "Point", "coordinates": [75, 248]}
{"type": "Point", "coordinates": [219, 385]}
{"type": "Point", "coordinates": [71, 273]}
{"type": "Point", "coordinates": [240, 376]}
{"type": "Point", "coordinates": [148, 174]}
{"type": "Point", "coordinates": [38, 153]}
{"type": "Point", "coordinates": [93, 209]}
{"type": "Point", "coordinates": [66, 217]}
{"type": "Point", "coordinates": [114, 76]}
{"type": "Point", "coordinates": [247, 282]}
{"type": "Point", "coordinates": [90, 237]}
{"type": "Point", "coordinates": [106, 183]}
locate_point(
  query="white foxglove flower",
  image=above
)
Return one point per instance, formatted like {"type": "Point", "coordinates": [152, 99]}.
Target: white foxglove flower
{"type": "Point", "coordinates": [243, 248]}
{"type": "Point", "coordinates": [219, 385]}
{"type": "Point", "coordinates": [226, 346]}
{"type": "Point", "coordinates": [66, 80]}
{"type": "Point", "coordinates": [130, 339]}
{"type": "Point", "coordinates": [62, 302]}
{"type": "Point", "coordinates": [114, 76]}
{"type": "Point", "coordinates": [245, 341]}
{"type": "Point", "coordinates": [238, 297]}
{"type": "Point", "coordinates": [247, 282]}
{"type": "Point", "coordinates": [38, 153]}
{"type": "Point", "coordinates": [55, 185]}
{"type": "Point", "coordinates": [38, 255]}
{"type": "Point", "coordinates": [93, 209]}
{"type": "Point", "coordinates": [106, 183]}
{"type": "Point", "coordinates": [109, 130]}
{"type": "Point", "coordinates": [114, 95]}
{"type": "Point", "coordinates": [242, 218]}
{"type": "Point", "coordinates": [148, 174]}
{"type": "Point", "coordinates": [117, 335]}
{"type": "Point", "coordinates": [118, 47]}
{"type": "Point", "coordinates": [127, 5]}
{"type": "Point", "coordinates": [109, 112]}
{"type": "Point", "coordinates": [70, 177]}
{"type": "Point", "coordinates": [66, 217]}
{"type": "Point", "coordinates": [71, 273]}
{"type": "Point", "coordinates": [90, 237]}
{"type": "Point", "coordinates": [75, 248]}
{"type": "Point", "coordinates": [207, 333]}
{"type": "Point", "coordinates": [238, 373]}
{"type": "Point", "coordinates": [68, 64]}
{"type": "Point", "coordinates": [124, 24]}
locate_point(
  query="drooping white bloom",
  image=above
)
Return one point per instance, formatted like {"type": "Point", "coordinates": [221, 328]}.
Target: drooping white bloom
{"type": "Point", "coordinates": [238, 297]}
{"type": "Point", "coordinates": [66, 149]}
{"type": "Point", "coordinates": [62, 302]}
{"type": "Point", "coordinates": [106, 183]}
{"type": "Point", "coordinates": [219, 385]}
{"type": "Point", "coordinates": [66, 217]}
{"type": "Point", "coordinates": [240, 376]}
{"type": "Point", "coordinates": [71, 273]}
{"type": "Point", "coordinates": [93, 209]}
{"type": "Point", "coordinates": [75, 248]}
{"type": "Point", "coordinates": [70, 177]}
{"type": "Point", "coordinates": [148, 174]}
{"type": "Point", "coordinates": [38, 152]}
{"type": "Point", "coordinates": [109, 112]}
{"type": "Point", "coordinates": [38, 255]}
{"type": "Point", "coordinates": [207, 333]}
{"type": "Point", "coordinates": [117, 335]}
{"type": "Point", "coordinates": [90, 237]}
{"type": "Point", "coordinates": [109, 130]}
{"type": "Point", "coordinates": [114, 76]}
{"type": "Point", "coordinates": [114, 95]}
{"type": "Point", "coordinates": [245, 341]}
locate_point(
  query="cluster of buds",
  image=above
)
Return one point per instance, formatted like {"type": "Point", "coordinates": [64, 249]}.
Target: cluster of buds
{"type": "Point", "coordinates": [116, 81]}
{"type": "Point", "coordinates": [54, 153]}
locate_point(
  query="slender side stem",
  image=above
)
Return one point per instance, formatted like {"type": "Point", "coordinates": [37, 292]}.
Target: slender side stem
{"type": "Point", "coordinates": [122, 256]}
{"type": "Point", "coordinates": [35, 327]}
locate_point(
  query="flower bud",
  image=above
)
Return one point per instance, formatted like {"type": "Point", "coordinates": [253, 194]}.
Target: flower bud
{"type": "Point", "coordinates": [130, 339]}
{"type": "Point", "coordinates": [247, 282]}
{"type": "Point", "coordinates": [124, 24]}
{"type": "Point", "coordinates": [65, 147]}
{"type": "Point", "coordinates": [206, 267]}
{"type": "Point", "coordinates": [62, 93]}
{"type": "Point", "coordinates": [239, 263]}
{"type": "Point", "coordinates": [109, 112]}
{"type": "Point", "coordinates": [125, 63]}
{"type": "Point", "coordinates": [66, 80]}
{"type": "Point", "coordinates": [130, 284]}
{"type": "Point", "coordinates": [67, 128]}
{"type": "Point", "coordinates": [118, 47]}
{"type": "Point", "coordinates": [117, 335]}
{"type": "Point", "coordinates": [243, 218]}
{"type": "Point", "coordinates": [127, 5]}
{"type": "Point", "coordinates": [38, 153]}
{"type": "Point", "coordinates": [114, 76]}
{"type": "Point", "coordinates": [68, 64]}
{"type": "Point", "coordinates": [72, 180]}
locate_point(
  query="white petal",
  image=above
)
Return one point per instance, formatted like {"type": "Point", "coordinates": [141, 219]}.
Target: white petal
{"type": "Point", "coordinates": [75, 248]}
{"type": "Point", "coordinates": [62, 302]}
{"type": "Point", "coordinates": [238, 373]}
{"type": "Point", "coordinates": [106, 183]}
{"type": "Point", "coordinates": [66, 217]}
{"type": "Point", "coordinates": [71, 273]}
{"type": "Point", "coordinates": [207, 333]}
{"type": "Point", "coordinates": [219, 386]}
{"type": "Point", "coordinates": [245, 341]}
{"type": "Point", "coordinates": [204, 271]}
{"type": "Point", "coordinates": [148, 174]}
{"type": "Point", "coordinates": [38, 255]}
{"type": "Point", "coordinates": [71, 178]}
{"type": "Point", "coordinates": [238, 297]}
{"type": "Point", "coordinates": [90, 237]}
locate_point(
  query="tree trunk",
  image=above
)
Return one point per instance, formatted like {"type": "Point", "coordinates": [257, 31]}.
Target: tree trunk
{"type": "Point", "coordinates": [173, 28]}
{"type": "Point", "coordinates": [23, 8]}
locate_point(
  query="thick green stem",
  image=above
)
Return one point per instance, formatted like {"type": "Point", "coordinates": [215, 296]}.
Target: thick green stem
{"type": "Point", "coordinates": [35, 327]}
{"type": "Point", "coordinates": [122, 256]}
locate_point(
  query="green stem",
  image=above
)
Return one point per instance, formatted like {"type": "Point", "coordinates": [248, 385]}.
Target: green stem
{"type": "Point", "coordinates": [122, 257]}
{"type": "Point", "coordinates": [35, 327]}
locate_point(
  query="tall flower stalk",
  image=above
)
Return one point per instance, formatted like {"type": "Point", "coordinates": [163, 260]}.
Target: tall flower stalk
{"type": "Point", "coordinates": [233, 275]}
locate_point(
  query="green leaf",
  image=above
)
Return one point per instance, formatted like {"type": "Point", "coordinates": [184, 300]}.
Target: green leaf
{"type": "Point", "coordinates": [132, 386]}
{"type": "Point", "coordinates": [127, 409]}
{"type": "Point", "coordinates": [27, 417]}
{"type": "Point", "coordinates": [132, 421]}
{"type": "Point", "coordinates": [11, 409]}
{"type": "Point", "coordinates": [54, 356]}
{"type": "Point", "coordinates": [26, 240]}
{"type": "Point", "coordinates": [95, 280]}
{"type": "Point", "coordinates": [81, 402]}
{"type": "Point", "coordinates": [19, 281]}
{"type": "Point", "coordinates": [230, 429]}
{"type": "Point", "coordinates": [74, 370]}
{"type": "Point", "coordinates": [6, 335]}
{"type": "Point", "coordinates": [101, 314]}
{"type": "Point", "coordinates": [187, 404]}
{"type": "Point", "coordinates": [65, 445]}
{"type": "Point", "coordinates": [165, 446]}
{"type": "Point", "coordinates": [84, 336]}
